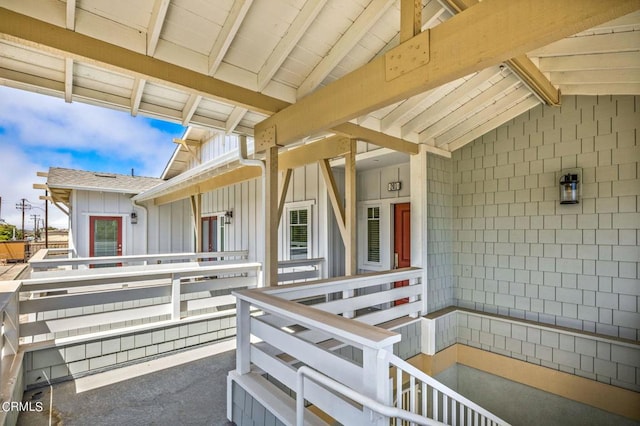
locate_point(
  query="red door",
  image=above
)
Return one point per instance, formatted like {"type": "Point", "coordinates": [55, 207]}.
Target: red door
{"type": "Point", "coordinates": [105, 237]}
{"type": "Point", "coordinates": [402, 243]}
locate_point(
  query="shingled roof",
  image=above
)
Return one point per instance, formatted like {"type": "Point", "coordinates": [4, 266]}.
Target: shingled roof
{"type": "Point", "coordinates": [61, 178]}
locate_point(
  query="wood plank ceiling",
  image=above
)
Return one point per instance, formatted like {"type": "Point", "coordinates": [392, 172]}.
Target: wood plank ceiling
{"type": "Point", "coordinates": [285, 49]}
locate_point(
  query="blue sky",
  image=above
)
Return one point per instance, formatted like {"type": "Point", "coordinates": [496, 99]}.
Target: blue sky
{"type": "Point", "coordinates": [39, 131]}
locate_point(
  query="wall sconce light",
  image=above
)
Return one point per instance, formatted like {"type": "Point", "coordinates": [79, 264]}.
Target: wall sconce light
{"type": "Point", "coordinates": [134, 218]}
{"type": "Point", "coordinates": [570, 187]}
{"type": "Point", "coordinates": [228, 215]}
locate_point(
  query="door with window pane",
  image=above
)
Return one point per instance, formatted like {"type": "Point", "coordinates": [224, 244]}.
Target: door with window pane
{"type": "Point", "coordinates": [298, 234]}
{"type": "Point", "coordinates": [105, 236]}
{"type": "Point", "coordinates": [210, 234]}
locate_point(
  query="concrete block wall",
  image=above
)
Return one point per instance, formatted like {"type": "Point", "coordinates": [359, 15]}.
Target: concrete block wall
{"type": "Point", "coordinates": [79, 359]}
{"type": "Point", "coordinates": [608, 361]}
{"type": "Point", "coordinates": [440, 229]}
{"type": "Point", "coordinates": [520, 253]}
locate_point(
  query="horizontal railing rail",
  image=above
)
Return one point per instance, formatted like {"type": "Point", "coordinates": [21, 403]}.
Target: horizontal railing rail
{"type": "Point", "coordinates": [40, 262]}
{"type": "Point", "coordinates": [300, 270]}
{"type": "Point", "coordinates": [75, 306]}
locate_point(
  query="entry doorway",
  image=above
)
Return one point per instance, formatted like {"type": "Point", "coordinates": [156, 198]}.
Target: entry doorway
{"type": "Point", "coordinates": [209, 234]}
{"type": "Point", "coordinates": [401, 243]}
{"type": "Point", "coordinates": [105, 237]}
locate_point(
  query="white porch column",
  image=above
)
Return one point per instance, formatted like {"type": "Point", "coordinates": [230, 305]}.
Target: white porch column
{"type": "Point", "coordinates": [419, 211]}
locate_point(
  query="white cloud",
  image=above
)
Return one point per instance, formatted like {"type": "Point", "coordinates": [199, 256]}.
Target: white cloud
{"type": "Point", "coordinates": [38, 132]}
{"type": "Point", "coordinates": [48, 122]}
{"type": "Point", "coordinates": [17, 176]}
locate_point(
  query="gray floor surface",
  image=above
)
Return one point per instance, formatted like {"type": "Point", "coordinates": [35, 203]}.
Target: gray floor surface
{"type": "Point", "coordinates": [195, 394]}
{"type": "Point", "coordinates": [189, 394]}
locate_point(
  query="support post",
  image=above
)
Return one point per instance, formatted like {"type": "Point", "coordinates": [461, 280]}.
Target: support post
{"type": "Point", "coordinates": [375, 381]}
{"type": "Point", "coordinates": [196, 211]}
{"type": "Point", "coordinates": [419, 217]}
{"type": "Point", "coordinates": [243, 334]}
{"type": "Point", "coordinates": [350, 243]}
{"type": "Point", "coordinates": [410, 19]}
{"type": "Point", "coordinates": [271, 218]}
{"type": "Point", "coordinates": [351, 263]}
{"type": "Point", "coordinates": [175, 296]}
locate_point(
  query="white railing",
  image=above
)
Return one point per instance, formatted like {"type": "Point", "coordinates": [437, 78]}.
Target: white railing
{"type": "Point", "coordinates": [299, 270]}
{"type": "Point", "coordinates": [373, 405]}
{"type": "Point", "coordinates": [350, 361]}
{"type": "Point", "coordinates": [112, 300]}
{"type": "Point", "coordinates": [421, 394]}
{"type": "Point", "coordinates": [322, 337]}
{"type": "Point", "coordinates": [10, 355]}
{"type": "Point", "coordinates": [42, 262]}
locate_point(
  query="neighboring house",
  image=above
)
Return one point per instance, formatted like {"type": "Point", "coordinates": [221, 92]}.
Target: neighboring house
{"type": "Point", "coordinates": [103, 220]}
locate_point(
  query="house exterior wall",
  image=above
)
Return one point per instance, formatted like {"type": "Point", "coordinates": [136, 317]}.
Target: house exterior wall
{"type": "Point", "coordinates": [522, 254]}
{"type": "Point", "coordinates": [93, 203]}
{"type": "Point", "coordinates": [170, 228]}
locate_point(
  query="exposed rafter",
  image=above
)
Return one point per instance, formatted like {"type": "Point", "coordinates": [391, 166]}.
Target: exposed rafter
{"type": "Point", "coordinates": [234, 119]}
{"type": "Point", "coordinates": [349, 39]}
{"type": "Point", "coordinates": [521, 65]}
{"type": "Point", "coordinates": [468, 109]}
{"type": "Point", "coordinates": [190, 108]}
{"type": "Point", "coordinates": [70, 17]}
{"type": "Point", "coordinates": [440, 109]}
{"type": "Point", "coordinates": [449, 51]}
{"type": "Point", "coordinates": [237, 14]}
{"type": "Point", "coordinates": [410, 19]}
{"type": "Point", "coordinates": [20, 28]}
{"type": "Point", "coordinates": [68, 80]}
{"type": "Point", "coordinates": [156, 21]}
{"type": "Point", "coordinates": [376, 138]}
{"type": "Point", "coordinates": [136, 95]}
{"type": "Point", "coordinates": [286, 44]}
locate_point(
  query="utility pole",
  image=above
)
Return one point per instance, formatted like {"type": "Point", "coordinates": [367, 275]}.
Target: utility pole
{"type": "Point", "coordinates": [23, 205]}
{"type": "Point", "coordinates": [35, 218]}
{"type": "Point", "coordinates": [46, 219]}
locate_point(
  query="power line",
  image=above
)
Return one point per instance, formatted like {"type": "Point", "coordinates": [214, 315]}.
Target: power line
{"type": "Point", "coordinates": [23, 205]}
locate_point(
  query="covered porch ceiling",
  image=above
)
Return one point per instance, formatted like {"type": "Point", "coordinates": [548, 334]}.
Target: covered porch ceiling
{"type": "Point", "coordinates": [228, 65]}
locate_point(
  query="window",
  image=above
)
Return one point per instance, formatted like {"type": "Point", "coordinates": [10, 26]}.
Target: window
{"type": "Point", "coordinates": [373, 234]}
{"type": "Point", "coordinates": [299, 233]}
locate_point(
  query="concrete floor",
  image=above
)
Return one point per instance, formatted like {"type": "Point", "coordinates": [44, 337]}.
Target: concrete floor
{"type": "Point", "coordinates": [158, 392]}
{"type": "Point", "coordinates": [189, 388]}
{"type": "Point", "coordinates": [522, 405]}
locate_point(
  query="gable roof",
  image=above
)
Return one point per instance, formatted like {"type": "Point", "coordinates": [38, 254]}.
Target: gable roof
{"type": "Point", "coordinates": [61, 178]}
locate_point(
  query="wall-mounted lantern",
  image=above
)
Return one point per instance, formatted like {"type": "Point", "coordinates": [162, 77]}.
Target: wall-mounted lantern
{"type": "Point", "coordinates": [134, 218]}
{"type": "Point", "coordinates": [228, 215]}
{"type": "Point", "coordinates": [570, 187]}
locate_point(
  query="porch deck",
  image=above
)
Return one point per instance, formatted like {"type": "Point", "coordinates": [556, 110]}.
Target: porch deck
{"type": "Point", "coordinates": [187, 388]}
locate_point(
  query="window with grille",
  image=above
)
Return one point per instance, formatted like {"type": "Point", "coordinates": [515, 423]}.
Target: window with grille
{"type": "Point", "coordinates": [373, 234]}
{"type": "Point", "coordinates": [299, 233]}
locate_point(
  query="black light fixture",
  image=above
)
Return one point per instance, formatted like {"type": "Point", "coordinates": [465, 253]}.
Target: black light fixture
{"type": "Point", "coordinates": [228, 215]}
{"type": "Point", "coordinates": [570, 187]}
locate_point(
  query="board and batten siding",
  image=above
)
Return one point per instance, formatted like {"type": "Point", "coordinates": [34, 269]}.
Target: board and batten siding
{"type": "Point", "coordinates": [160, 229]}
{"type": "Point", "coordinates": [246, 231]}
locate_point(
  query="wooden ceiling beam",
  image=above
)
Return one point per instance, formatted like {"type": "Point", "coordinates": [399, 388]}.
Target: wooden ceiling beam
{"type": "Point", "coordinates": [376, 138]}
{"type": "Point", "coordinates": [156, 21]}
{"type": "Point", "coordinates": [410, 19]}
{"type": "Point", "coordinates": [297, 29]}
{"type": "Point", "coordinates": [68, 80]}
{"type": "Point", "coordinates": [70, 18]}
{"type": "Point", "coordinates": [343, 46]}
{"type": "Point", "coordinates": [22, 29]}
{"type": "Point", "coordinates": [239, 10]}
{"type": "Point", "coordinates": [331, 147]}
{"type": "Point", "coordinates": [190, 108]}
{"type": "Point", "coordinates": [468, 42]}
